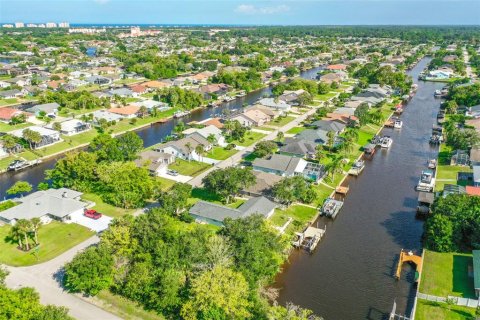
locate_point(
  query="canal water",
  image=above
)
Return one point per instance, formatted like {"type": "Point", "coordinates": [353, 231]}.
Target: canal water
{"type": "Point", "coordinates": [350, 275]}
{"type": "Point", "coordinates": [150, 135]}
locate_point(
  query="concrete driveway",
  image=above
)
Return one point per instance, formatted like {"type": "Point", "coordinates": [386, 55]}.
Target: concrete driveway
{"type": "Point", "coordinates": [177, 178]}
{"type": "Point", "coordinates": [96, 225]}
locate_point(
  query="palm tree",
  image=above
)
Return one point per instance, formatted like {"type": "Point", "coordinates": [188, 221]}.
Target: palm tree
{"type": "Point", "coordinates": [57, 126]}
{"type": "Point", "coordinates": [200, 150]}
{"type": "Point", "coordinates": [16, 234]}
{"type": "Point", "coordinates": [335, 166]}
{"type": "Point", "coordinates": [212, 140]}
{"type": "Point", "coordinates": [331, 139]}
{"type": "Point", "coordinates": [319, 152]}
{"type": "Point", "coordinates": [24, 227]}
{"type": "Point", "coordinates": [9, 142]}
{"type": "Point", "coordinates": [280, 135]}
{"type": "Point", "coordinates": [36, 224]}
{"type": "Point", "coordinates": [351, 134]}
{"type": "Point", "coordinates": [188, 145]}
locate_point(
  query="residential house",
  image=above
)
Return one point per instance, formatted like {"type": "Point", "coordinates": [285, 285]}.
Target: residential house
{"type": "Point", "coordinates": [317, 136]}
{"type": "Point", "coordinates": [289, 166]}
{"type": "Point", "coordinates": [185, 148]}
{"type": "Point", "coordinates": [292, 97]}
{"type": "Point", "coordinates": [122, 92]}
{"type": "Point", "coordinates": [7, 114]}
{"type": "Point", "coordinates": [128, 112]}
{"type": "Point", "coordinates": [215, 89]}
{"type": "Point", "coordinates": [298, 148]}
{"type": "Point", "coordinates": [156, 162]}
{"type": "Point", "coordinates": [252, 118]}
{"type": "Point", "coordinates": [273, 103]}
{"type": "Point", "coordinates": [99, 80]}
{"type": "Point", "coordinates": [215, 214]}
{"type": "Point", "coordinates": [154, 85]}
{"type": "Point", "coordinates": [352, 104]}
{"type": "Point", "coordinates": [474, 112]}
{"type": "Point", "coordinates": [328, 125]}
{"type": "Point", "coordinates": [73, 126]}
{"type": "Point", "coordinates": [337, 67]}
{"type": "Point", "coordinates": [264, 183]}
{"type": "Point", "coordinates": [52, 204]}
{"type": "Point", "coordinates": [50, 109]}
{"type": "Point", "coordinates": [150, 104]}
{"type": "Point", "coordinates": [49, 136]}
{"type": "Point", "coordinates": [139, 89]}
{"type": "Point", "coordinates": [4, 84]}
{"type": "Point", "coordinates": [331, 77]}
{"type": "Point", "coordinates": [108, 116]}
{"type": "Point", "coordinates": [11, 94]}
{"type": "Point", "coordinates": [346, 118]}
{"type": "Point", "coordinates": [212, 121]}
{"type": "Point", "coordinates": [273, 114]}
{"type": "Point", "coordinates": [206, 132]}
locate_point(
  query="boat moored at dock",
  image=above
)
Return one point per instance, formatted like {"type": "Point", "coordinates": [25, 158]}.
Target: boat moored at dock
{"type": "Point", "coordinates": [426, 181]}
{"type": "Point", "coordinates": [17, 165]}
{"type": "Point", "coordinates": [331, 207]}
{"type": "Point", "coordinates": [309, 238]}
{"type": "Point", "coordinates": [357, 168]}
{"type": "Point", "coordinates": [398, 124]}
{"type": "Point", "coordinates": [386, 142]}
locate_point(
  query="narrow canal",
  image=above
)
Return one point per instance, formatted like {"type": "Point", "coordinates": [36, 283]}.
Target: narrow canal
{"type": "Point", "coordinates": [151, 135]}
{"type": "Point", "coordinates": [349, 276]}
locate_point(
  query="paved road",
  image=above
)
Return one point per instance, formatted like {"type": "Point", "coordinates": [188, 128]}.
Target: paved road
{"type": "Point", "coordinates": [468, 67]}
{"type": "Point", "coordinates": [42, 277]}
{"type": "Point", "coordinates": [237, 157]}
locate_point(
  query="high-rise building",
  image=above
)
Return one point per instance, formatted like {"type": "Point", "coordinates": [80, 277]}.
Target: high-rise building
{"type": "Point", "coordinates": [51, 25]}
{"type": "Point", "coordinates": [32, 25]}
{"type": "Point", "coordinates": [64, 25]}
{"type": "Point", "coordinates": [19, 25]}
{"type": "Point", "coordinates": [7, 25]}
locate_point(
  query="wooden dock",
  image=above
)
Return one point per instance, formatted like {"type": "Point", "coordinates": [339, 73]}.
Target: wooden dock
{"type": "Point", "coordinates": [408, 256]}
{"type": "Point", "coordinates": [342, 190]}
{"type": "Point", "coordinates": [389, 124]}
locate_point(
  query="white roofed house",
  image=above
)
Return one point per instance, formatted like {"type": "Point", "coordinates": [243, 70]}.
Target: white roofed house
{"type": "Point", "coordinates": [289, 166]}
{"type": "Point", "coordinates": [49, 136]}
{"type": "Point", "coordinates": [185, 148]}
{"type": "Point", "coordinates": [206, 132]}
{"type": "Point", "coordinates": [48, 108]}
{"type": "Point", "coordinates": [156, 162]}
{"type": "Point", "coordinates": [52, 204]}
{"type": "Point", "coordinates": [73, 126]}
{"type": "Point", "coordinates": [275, 104]}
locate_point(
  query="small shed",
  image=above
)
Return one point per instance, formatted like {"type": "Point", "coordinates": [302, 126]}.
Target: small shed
{"type": "Point", "coordinates": [476, 272]}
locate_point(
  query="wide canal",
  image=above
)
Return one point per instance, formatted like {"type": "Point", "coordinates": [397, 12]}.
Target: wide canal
{"type": "Point", "coordinates": [350, 275]}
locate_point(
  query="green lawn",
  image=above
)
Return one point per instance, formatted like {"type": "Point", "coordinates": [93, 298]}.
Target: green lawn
{"type": "Point", "coordinates": [296, 130]}
{"type": "Point", "coordinates": [250, 138]}
{"type": "Point", "coordinates": [446, 274]}
{"type": "Point", "coordinates": [281, 121]}
{"type": "Point", "coordinates": [5, 127]}
{"type": "Point", "coordinates": [6, 102]}
{"type": "Point", "coordinates": [325, 97]}
{"type": "Point", "coordinates": [55, 238]}
{"type": "Point", "coordinates": [220, 153]}
{"type": "Point", "coordinates": [165, 183]}
{"type": "Point", "coordinates": [105, 208]}
{"type": "Point", "coordinates": [428, 310]}
{"type": "Point", "coordinates": [447, 174]}
{"type": "Point", "coordinates": [202, 194]}
{"type": "Point", "coordinates": [189, 168]}
{"type": "Point", "coordinates": [265, 128]}
{"type": "Point", "coordinates": [300, 215]}
{"type": "Point", "coordinates": [123, 307]}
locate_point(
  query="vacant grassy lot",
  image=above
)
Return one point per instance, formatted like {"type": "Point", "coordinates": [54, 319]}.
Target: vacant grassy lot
{"type": "Point", "coordinates": [427, 310]}
{"type": "Point", "coordinates": [5, 127]}
{"type": "Point", "coordinates": [105, 208]}
{"type": "Point", "coordinates": [446, 274]}
{"type": "Point", "coordinates": [296, 130]}
{"type": "Point", "coordinates": [123, 307]}
{"type": "Point", "coordinates": [281, 121]}
{"type": "Point", "coordinates": [55, 238]}
{"type": "Point", "coordinates": [189, 168]}
{"type": "Point", "coordinates": [300, 215]}
{"type": "Point", "coordinates": [250, 138]}
{"type": "Point", "coordinates": [325, 97]}
{"type": "Point", "coordinates": [220, 153]}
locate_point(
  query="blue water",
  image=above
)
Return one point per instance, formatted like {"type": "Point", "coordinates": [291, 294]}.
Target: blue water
{"type": "Point", "coordinates": [91, 52]}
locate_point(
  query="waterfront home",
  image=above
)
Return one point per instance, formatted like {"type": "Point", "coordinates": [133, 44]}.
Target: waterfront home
{"type": "Point", "coordinates": [128, 112]}
{"type": "Point", "coordinates": [52, 204]}
{"type": "Point", "coordinates": [213, 90]}
{"type": "Point", "coordinates": [329, 125]}
{"type": "Point", "coordinates": [215, 214]}
{"type": "Point", "coordinates": [156, 162]}
{"type": "Point", "coordinates": [476, 272]}
{"type": "Point", "coordinates": [475, 156]}
{"type": "Point", "coordinates": [331, 77]}
{"type": "Point", "coordinates": [49, 136]}
{"type": "Point", "coordinates": [213, 122]}
{"type": "Point", "coordinates": [206, 132]}
{"type": "Point", "coordinates": [7, 114]}
{"type": "Point", "coordinates": [50, 109]}
{"type": "Point", "coordinates": [292, 97]}
{"type": "Point", "coordinates": [439, 75]}
{"type": "Point", "coordinates": [100, 80]}
{"type": "Point", "coordinates": [273, 114]}
{"type": "Point", "coordinates": [150, 104]}
{"type": "Point", "coordinates": [289, 166]}
{"type": "Point", "coordinates": [252, 118]}
{"type": "Point", "coordinates": [298, 148]}
{"type": "Point", "coordinates": [473, 111]}
{"type": "Point", "coordinates": [371, 101]}
{"type": "Point", "coordinates": [317, 136]}
{"type": "Point", "coordinates": [11, 94]}
{"type": "Point", "coordinates": [185, 148]}
{"type": "Point", "coordinates": [154, 85]}
{"type": "Point", "coordinates": [337, 67]}
{"type": "Point", "coordinates": [264, 183]}
{"type": "Point", "coordinates": [122, 92]}
{"type": "Point", "coordinates": [275, 104]}
{"type": "Point", "coordinates": [73, 126]}
{"type": "Point", "coordinates": [351, 104]}
{"type": "Point", "coordinates": [108, 116]}
{"type": "Point", "coordinates": [346, 118]}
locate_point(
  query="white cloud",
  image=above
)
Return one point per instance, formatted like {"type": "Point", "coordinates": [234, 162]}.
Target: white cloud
{"type": "Point", "coordinates": [251, 9]}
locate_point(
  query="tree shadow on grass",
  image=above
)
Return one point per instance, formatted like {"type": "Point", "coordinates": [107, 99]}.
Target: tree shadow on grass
{"type": "Point", "coordinates": [461, 281]}
{"type": "Point", "coordinates": [204, 195]}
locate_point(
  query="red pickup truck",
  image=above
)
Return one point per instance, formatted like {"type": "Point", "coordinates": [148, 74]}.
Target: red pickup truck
{"type": "Point", "coordinates": [92, 214]}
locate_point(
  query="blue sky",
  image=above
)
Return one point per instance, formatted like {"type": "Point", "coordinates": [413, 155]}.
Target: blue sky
{"type": "Point", "coordinates": [278, 12]}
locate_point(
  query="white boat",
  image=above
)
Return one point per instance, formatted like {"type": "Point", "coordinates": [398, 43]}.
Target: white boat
{"type": "Point", "coordinates": [432, 163]}
{"type": "Point", "coordinates": [180, 114]}
{"type": "Point", "coordinates": [398, 124]}
{"type": "Point", "coordinates": [331, 207]}
{"type": "Point", "coordinates": [426, 181]}
{"type": "Point", "coordinates": [357, 168]}
{"type": "Point", "coordinates": [386, 142]}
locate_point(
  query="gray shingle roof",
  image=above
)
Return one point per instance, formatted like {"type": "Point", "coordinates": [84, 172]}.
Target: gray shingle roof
{"type": "Point", "coordinates": [298, 147]}
{"type": "Point", "coordinates": [328, 125]}
{"type": "Point", "coordinates": [278, 162]}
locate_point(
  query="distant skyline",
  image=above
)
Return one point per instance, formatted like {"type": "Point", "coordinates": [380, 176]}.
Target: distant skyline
{"type": "Point", "coordinates": [238, 12]}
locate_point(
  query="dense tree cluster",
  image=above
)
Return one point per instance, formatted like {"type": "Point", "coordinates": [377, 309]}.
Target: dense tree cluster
{"type": "Point", "coordinates": [455, 224]}
{"type": "Point", "coordinates": [289, 190]}
{"type": "Point", "coordinates": [373, 73]}
{"type": "Point", "coordinates": [465, 95]}
{"type": "Point", "coordinates": [76, 100]}
{"type": "Point", "coordinates": [182, 270]}
{"type": "Point", "coordinates": [243, 80]}
{"type": "Point", "coordinates": [181, 98]}
{"type": "Point", "coordinates": [228, 182]}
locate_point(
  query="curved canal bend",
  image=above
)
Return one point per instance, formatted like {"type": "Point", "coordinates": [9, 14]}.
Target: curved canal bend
{"type": "Point", "coordinates": [350, 275]}
{"type": "Point", "coordinates": [150, 135]}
